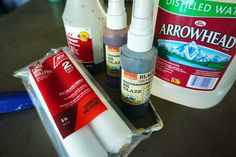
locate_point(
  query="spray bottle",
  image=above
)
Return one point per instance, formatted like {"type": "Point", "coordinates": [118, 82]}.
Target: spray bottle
{"type": "Point", "coordinates": [114, 37]}
{"type": "Point", "coordinates": [84, 21]}
{"type": "Point", "coordinates": [138, 60]}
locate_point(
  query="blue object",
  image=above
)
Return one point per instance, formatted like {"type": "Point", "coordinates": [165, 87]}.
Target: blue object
{"type": "Point", "coordinates": [14, 101]}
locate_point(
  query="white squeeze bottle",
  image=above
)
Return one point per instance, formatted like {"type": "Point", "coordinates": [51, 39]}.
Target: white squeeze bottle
{"type": "Point", "coordinates": [196, 41]}
{"type": "Point", "coordinates": [83, 21]}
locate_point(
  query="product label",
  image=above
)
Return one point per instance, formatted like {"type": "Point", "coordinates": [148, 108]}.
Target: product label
{"type": "Point", "coordinates": [80, 43]}
{"type": "Point", "coordinates": [113, 60]}
{"type": "Point", "coordinates": [69, 98]}
{"type": "Point", "coordinates": [135, 88]}
{"type": "Point", "coordinates": [196, 42]}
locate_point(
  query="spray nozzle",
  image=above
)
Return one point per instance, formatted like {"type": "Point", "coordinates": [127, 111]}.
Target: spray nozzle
{"type": "Point", "coordinates": [116, 15]}
{"type": "Point", "coordinates": [141, 16]}
{"type": "Point", "coordinates": [116, 7]}
{"type": "Point", "coordinates": [140, 32]}
{"type": "Point", "coordinates": [142, 9]}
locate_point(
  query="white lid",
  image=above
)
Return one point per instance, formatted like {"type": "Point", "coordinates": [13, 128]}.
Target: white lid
{"type": "Point", "coordinates": [140, 31]}
{"type": "Point", "coordinates": [116, 15]}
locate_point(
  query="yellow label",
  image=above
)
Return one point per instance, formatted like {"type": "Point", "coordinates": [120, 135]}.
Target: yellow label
{"type": "Point", "coordinates": [84, 36]}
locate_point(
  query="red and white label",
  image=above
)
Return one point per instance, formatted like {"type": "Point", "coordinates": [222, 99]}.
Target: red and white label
{"type": "Point", "coordinates": [69, 98]}
{"type": "Point", "coordinates": [80, 43]}
{"type": "Point", "coordinates": [194, 52]}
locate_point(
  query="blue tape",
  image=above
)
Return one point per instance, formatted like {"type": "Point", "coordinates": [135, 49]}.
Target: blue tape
{"type": "Point", "coordinates": [14, 101]}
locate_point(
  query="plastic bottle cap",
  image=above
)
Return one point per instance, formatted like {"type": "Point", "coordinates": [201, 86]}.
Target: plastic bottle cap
{"type": "Point", "coordinates": [140, 36]}
{"type": "Point", "coordinates": [116, 15]}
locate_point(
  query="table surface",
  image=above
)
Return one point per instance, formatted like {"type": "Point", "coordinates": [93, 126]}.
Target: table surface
{"type": "Point", "coordinates": [29, 32]}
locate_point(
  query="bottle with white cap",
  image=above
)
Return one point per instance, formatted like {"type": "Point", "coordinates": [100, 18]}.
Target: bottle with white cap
{"type": "Point", "coordinates": [114, 37]}
{"type": "Point", "coordinates": [138, 60]}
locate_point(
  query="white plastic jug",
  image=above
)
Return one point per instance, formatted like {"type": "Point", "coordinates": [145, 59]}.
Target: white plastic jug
{"type": "Point", "coordinates": [196, 51]}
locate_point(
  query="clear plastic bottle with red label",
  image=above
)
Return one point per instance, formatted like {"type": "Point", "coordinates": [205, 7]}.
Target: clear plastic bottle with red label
{"type": "Point", "coordinates": [83, 21]}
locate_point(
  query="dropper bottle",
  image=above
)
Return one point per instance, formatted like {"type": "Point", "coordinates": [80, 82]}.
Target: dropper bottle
{"type": "Point", "coordinates": [114, 37]}
{"type": "Point", "coordinates": [138, 61]}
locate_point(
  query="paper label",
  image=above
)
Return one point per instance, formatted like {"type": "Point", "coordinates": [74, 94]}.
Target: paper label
{"type": "Point", "coordinates": [196, 42]}
{"type": "Point", "coordinates": [80, 43]}
{"type": "Point", "coordinates": [69, 98]}
{"type": "Point", "coordinates": [135, 88]}
{"type": "Point", "coordinates": [113, 60]}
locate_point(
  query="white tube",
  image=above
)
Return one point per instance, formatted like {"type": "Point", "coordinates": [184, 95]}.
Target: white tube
{"type": "Point", "coordinates": [82, 143]}
{"type": "Point", "coordinates": [109, 128]}
{"type": "Point", "coordinates": [111, 131]}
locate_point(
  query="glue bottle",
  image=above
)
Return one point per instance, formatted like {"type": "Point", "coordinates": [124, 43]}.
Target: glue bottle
{"type": "Point", "coordinates": [83, 22]}
{"type": "Point", "coordinates": [138, 60]}
{"type": "Point", "coordinates": [114, 37]}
